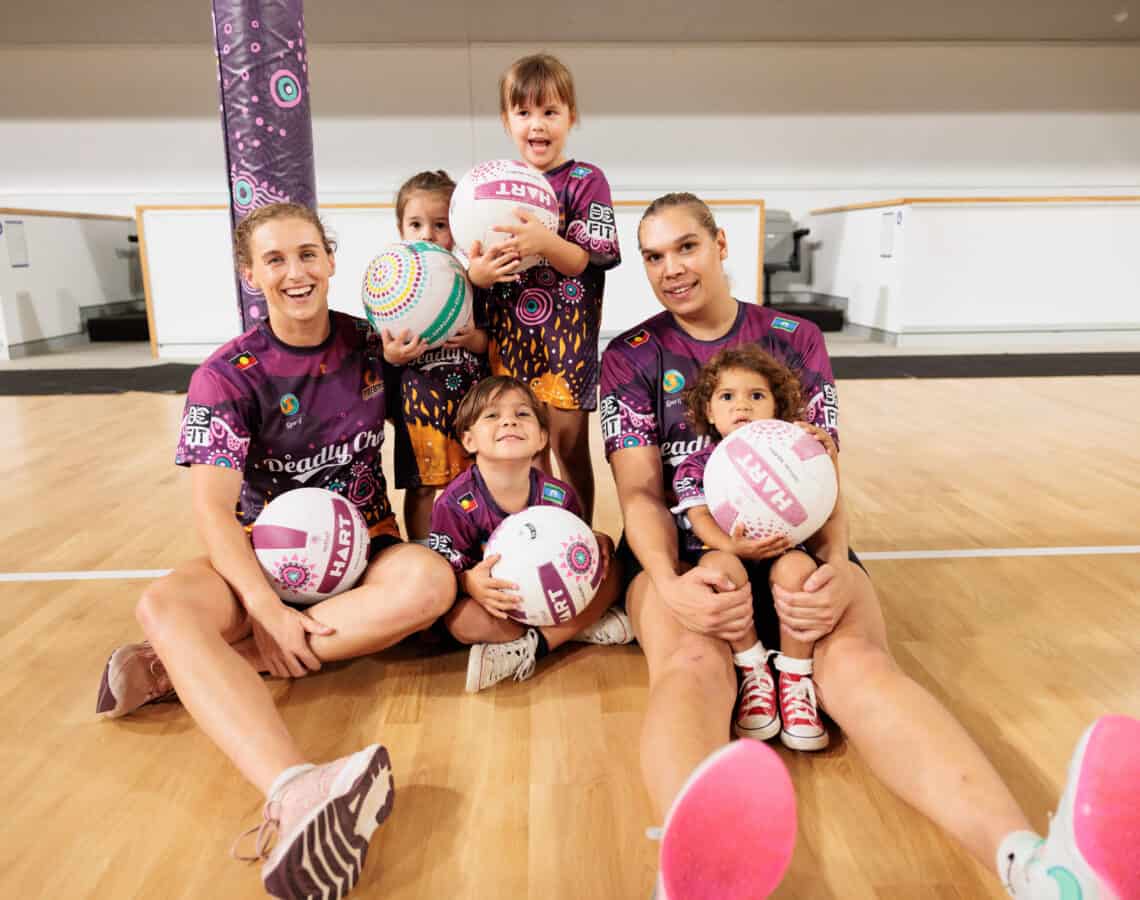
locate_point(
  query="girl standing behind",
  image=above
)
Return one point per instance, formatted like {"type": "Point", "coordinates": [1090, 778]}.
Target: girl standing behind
{"type": "Point", "coordinates": [432, 382]}
{"type": "Point", "coordinates": [544, 325]}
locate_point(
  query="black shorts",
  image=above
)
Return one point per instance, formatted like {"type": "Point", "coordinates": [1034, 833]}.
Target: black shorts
{"type": "Point", "coordinates": [763, 605]}
{"type": "Point", "coordinates": [380, 543]}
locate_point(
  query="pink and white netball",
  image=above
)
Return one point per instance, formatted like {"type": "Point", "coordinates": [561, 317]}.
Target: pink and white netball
{"type": "Point", "coordinates": [553, 557]}
{"type": "Point", "coordinates": [418, 286]}
{"type": "Point", "coordinates": [488, 196]}
{"type": "Point", "coordinates": [311, 544]}
{"type": "Point", "coordinates": [773, 477]}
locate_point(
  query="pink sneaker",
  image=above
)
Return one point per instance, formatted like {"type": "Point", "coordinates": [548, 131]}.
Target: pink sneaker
{"type": "Point", "coordinates": [319, 824]}
{"type": "Point", "coordinates": [1091, 851]}
{"type": "Point", "coordinates": [133, 677]}
{"type": "Point", "coordinates": [803, 729]}
{"type": "Point", "coordinates": [730, 832]}
{"type": "Point", "coordinates": [756, 716]}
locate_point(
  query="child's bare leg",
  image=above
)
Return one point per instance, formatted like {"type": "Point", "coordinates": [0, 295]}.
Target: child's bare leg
{"type": "Point", "coordinates": [790, 572]}
{"type": "Point", "coordinates": [730, 565]}
{"type": "Point", "coordinates": [570, 444]}
{"type": "Point", "coordinates": [799, 710]}
{"type": "Point", "coordinates": [470, 623]}
{"type": "Point", "coordinates": [755, 714]}
{"type": "Point", "coordinates": [417, 512]}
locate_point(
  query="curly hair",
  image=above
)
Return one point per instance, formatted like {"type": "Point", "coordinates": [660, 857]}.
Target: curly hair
{"type": "Point", "coordinates": [243, 233]}
{"type": "Point", "coordinates": [785, 385]}
{"type": "Point", "coordinates": [437, 182]}
{"type": "Point", "coordinates": [487, 392]}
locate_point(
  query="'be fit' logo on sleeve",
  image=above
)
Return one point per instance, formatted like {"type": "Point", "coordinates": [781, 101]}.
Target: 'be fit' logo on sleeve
{"type": "Point", "coordinates": [601, 222]}
{"type": "Point", "coordinates": [196, 426]}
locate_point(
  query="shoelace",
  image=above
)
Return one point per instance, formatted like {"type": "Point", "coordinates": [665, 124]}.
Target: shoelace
{"type": "Point", "coordinates": [529, 663]}
{"type": "Point", "coordinates": [799, 698]}
{"type": "Point", "coordinates": [756, 687]}
{"type": "Point", "coordinates": [517, 660]}
{"type": "Point", "coordinates": [266, 834]}
{"type": "Point", "coordinates": [601, 631]}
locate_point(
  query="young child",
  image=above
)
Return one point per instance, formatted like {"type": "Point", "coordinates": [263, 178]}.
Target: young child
{"type": "Point", "coordinates": [737, 386]}
{"type": "Point", "coordinates": [503, 425]}
{"type": "Point", "coordinates": [432, 382]}
{"type": "Point", "coordinates": [544, 323]}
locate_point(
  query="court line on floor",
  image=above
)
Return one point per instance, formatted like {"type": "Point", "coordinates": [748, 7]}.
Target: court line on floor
{"type": "Point", "coordinates": [988, 552]}
{"type": "Point", "coordinates": [974, 553]}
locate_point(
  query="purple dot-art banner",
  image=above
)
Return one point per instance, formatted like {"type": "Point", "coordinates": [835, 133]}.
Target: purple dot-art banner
{"type": "Point", "coordinates": [263, 73]}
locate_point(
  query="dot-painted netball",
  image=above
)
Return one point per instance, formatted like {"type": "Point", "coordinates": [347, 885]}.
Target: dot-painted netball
{"type": "Point", "coordinates": [488, 196]}
{"type": "Point", "coordinates": [311, 544]}
{"type": "Point", "coordinates": [553, 557]}
{"type": "Point", "coordinates": [774, 478]}
{"type": "Point", "coordinates": [418, 286]}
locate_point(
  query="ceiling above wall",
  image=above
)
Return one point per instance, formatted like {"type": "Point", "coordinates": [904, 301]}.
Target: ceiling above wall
{"type": "Point", "coordinates": [591, 21]}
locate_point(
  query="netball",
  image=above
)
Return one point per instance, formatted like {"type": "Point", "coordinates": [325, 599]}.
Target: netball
{"type": "Point", "coordinates": [489, 194]}
{"type": "Point", "coordinates": [553, 557]}
{"type": "Point", "coordinates": [773, 477]}
{"type": "Point", "coordinates": [418, 286]}
{"type": "Point", "coordinates": [311, 544]}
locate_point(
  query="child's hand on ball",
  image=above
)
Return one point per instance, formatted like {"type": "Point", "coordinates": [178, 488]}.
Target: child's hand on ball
{"type": "Point", "coordinates": [399, 351]}
{"type": "Point", "coordinates": [498, 264]}
{"type": "Point", "coordinates": [529, 238]}
{"type": "Point", "coordinates": [747, 548]}
{"type": "Point", "coordinates": [489, 592]}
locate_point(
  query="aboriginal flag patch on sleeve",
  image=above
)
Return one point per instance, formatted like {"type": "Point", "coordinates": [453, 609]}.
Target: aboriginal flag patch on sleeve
{"type": "Point", "coordinates": [468, 503]}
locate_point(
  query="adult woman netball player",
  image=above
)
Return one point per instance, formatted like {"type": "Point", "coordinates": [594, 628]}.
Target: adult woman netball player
{"type": "Point", "coordinates": [684, 620]}
{"type": "Point", "coordinates": [306, 386]}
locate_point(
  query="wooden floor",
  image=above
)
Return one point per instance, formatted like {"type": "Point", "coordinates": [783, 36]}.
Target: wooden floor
{"type": "Point", "coordinates": [533, 790]}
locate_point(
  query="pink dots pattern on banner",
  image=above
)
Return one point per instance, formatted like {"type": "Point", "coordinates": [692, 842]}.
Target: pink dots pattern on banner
{"type": "Point", "coordinates": [285, 88]}
{"type": "Point", "coordinates": [261, 87]}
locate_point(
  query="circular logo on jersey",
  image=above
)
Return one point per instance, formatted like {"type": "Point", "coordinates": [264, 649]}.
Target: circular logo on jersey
{"type": "Point", "coordinates": [672, 381]}
{"type": "Point", "coordinates": [290, 405]}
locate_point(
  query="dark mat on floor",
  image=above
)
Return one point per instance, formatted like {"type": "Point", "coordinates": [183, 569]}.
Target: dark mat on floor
{"type": "Point", "coordinates": [173, 378]}
{"type": "Point", "coordinates": [169, 378]}
{"type": "Point", "coordinates": [997, 365]}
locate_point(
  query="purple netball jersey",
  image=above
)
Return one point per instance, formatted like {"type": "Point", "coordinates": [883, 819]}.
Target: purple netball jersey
{"type": "Point", "coordinates": [544, 328]}
{"type": "Point", "coordinates": [645, 369]}
{"type": "Point", "coordinates": [290, 417]}
{"type": "Point", "coordinates": [465, 514]}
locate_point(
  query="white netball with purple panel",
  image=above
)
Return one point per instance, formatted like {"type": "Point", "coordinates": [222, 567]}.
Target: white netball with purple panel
{"type": "Point", "coordinates": [488, 196]}
{"type": "Point", "coordinates": [552, 556]}
{"type": "Point", "coordinates": [311, 544]}
{"type": "Point", "coordinates": [774, 477]}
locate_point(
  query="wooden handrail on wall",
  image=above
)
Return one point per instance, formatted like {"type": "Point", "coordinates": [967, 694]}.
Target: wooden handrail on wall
{"type": "Point", "coordinates": [60, 214]}
{"type": "Point", "coordinates": [915, 201]}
